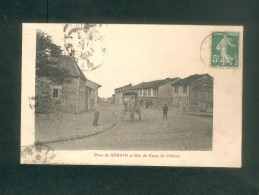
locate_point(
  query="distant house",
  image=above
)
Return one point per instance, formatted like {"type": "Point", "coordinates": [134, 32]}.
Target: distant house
{"type": "Point", "coordinates": [119, 92]}
{"type": "Point", "coordinates": [193, 93]}
{"type": "Point", "coordinates": [165, 93]}
{"type": "Point", "coordinates": [110, 100]}
{"type": "Point", "coordinates": [155, 93]}
{"type": "Point", "coordinates": [91, 89]}
{"type": "Point", "coordinates": [113, 98]}
{"type": "Point", "coordinates": [75, 97]}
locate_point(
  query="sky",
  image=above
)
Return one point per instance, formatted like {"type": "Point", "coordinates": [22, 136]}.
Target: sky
{"type": "Point", "coordinates": [142, 53]}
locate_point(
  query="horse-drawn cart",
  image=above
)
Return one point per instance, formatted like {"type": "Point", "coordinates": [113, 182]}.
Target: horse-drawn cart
{"type": "Point", "coordinates": [131, 103]}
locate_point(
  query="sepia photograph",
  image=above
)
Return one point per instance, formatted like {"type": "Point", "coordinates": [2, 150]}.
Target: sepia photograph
{"type": "Point", "coordinates": [129, 91]}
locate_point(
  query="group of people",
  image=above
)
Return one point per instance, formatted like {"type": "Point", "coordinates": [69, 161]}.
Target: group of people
{"type": "Point", "coordinates": [135, 108]}
{"type": "Point", "coordinates": [132, 106]}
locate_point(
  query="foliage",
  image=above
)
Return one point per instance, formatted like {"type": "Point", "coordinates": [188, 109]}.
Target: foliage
{"type": "Point", "coordinates": [46, 66]}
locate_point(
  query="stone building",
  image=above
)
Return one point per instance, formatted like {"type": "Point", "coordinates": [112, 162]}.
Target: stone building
{"type": "Point", "coordinates": [75, 97]}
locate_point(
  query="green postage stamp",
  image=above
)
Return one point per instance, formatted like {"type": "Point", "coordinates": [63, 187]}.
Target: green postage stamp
{"type": "Point", "coordinates": [225, 49]}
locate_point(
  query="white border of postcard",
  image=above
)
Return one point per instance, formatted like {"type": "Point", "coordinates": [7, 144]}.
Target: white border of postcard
{"type": "Point", "coordinates": [227, 116]}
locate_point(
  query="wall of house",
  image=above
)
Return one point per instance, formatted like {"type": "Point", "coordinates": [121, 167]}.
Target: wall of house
{"type": "Point", "coordinates": [93, 96]}
{"type": "Point", "coordinates": [69, 96]}
{"type": "Point", "coordinates": [165, 91]}
{"type": "Point", "coordinates": [44, 100]}
{"type": "Point", "coordinates": [91, 84]}
{"type": "Point", "coordinates": [87, 98]}
{"type": "Point", "coordinates": [147, 95]}
{"type": "Point", "coordinates": [180, 92]}
{"type": "Point", "coordinates": [160, 102]}
{"type": "Point", "coordinates": [118, 97]}
{"type": "Point", "coordinates": [81, 95]}
{"type": "Point", "coordinates": [180, 99]}
{"type": "Point", "coordinates": [148, 100]}
{"type": "Point", "coordinates": [198, 97]}
{"type": "Point", "coordinates": [201, 95]}
{"type": "Point", "coordinates": [64, 102]}
{"type": "Point", "coordinates": [73, 96]}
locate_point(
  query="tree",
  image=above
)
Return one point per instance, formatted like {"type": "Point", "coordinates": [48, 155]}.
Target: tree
{"type": "Point", "coordinates": [46, 65]}
{"type": "Point", "coordinates": [48, 72]}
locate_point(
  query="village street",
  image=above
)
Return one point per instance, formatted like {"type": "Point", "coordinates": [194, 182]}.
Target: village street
{"type": "Point", "coordinates": [179, 132]}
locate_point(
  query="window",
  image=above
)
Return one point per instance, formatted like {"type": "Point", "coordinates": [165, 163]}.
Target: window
{"type": "Point", "coordinates": [176, 89]}
{"type": "Point", "coordinates": [140, 92]}
{"type": "Point", "coordinates": [154, 92]}
{"type": "Point", "coordinates": [144, 92]}
{"type": "Point", "coordinates": [149, 92]}
{"type": "Point", "coordinates": [185, 88]}
{"type": "Point", "coordinates": [55, 92]}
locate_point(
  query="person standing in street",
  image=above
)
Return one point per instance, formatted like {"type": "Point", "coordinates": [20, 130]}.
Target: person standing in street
{"type": "Point", "coordinates": [138, 110]}
{"type": "Point", "coordinates": [96, 114]}
{"type": "Point", "coordinates": [165, 110]}
{"type": "Point", "coordinates": [131, 110]}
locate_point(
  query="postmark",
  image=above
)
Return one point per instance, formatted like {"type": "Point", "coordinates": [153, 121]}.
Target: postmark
{"type": "Point", "coordinates": [37, 154]}
{"type": "Point", "coordinates": [221, 50]}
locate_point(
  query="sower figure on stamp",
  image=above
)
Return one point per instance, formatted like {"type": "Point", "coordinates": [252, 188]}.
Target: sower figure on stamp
{"type": "Point", "coordinates": [222, 47]}
{"type": "Point", "coordinates": [96, 114]}
{"type": "Point", "coordinates": [165, 110]}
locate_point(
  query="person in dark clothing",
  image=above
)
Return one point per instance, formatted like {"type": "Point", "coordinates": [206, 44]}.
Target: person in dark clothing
{"type": "Point", "coordinates": [138, 111]}
{"type": "Point", "coordinates": [165, 110]}
{"type": "Point", "coordinates": [96, 114]}
{"type": "Point", "coordinates": [141, 102]}
{"type": "Point", "coordinates": [131, 110]}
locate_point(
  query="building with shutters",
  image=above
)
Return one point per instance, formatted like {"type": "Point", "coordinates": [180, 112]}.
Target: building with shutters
{"type": "Point", "coordinates": [193, 93]}
{"type": "Point", "coordinates": [155, 93]}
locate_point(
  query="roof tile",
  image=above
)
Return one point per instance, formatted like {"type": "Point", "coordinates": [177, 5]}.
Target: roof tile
{"type": "Point", "coordinates": [154, 84]}
{"type": "Point", "coordinates": [70, 65]}
{"type": "Point", "coordinates": [190, 79]}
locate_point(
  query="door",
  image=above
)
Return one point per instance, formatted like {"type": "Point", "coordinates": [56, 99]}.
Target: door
{"type": "Point", "coordinates": [86, 98]}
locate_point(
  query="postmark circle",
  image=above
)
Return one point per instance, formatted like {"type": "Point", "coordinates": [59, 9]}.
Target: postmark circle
{"type": "Point", "coordinates": [37, 154]}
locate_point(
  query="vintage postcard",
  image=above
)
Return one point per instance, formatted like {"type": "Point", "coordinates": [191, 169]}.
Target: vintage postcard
{"type": "Point", "coordinates": [139, 95]}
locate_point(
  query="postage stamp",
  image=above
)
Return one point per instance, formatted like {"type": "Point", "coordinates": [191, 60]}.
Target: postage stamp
{"type": "Point", "coordinates": [224, 49]}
